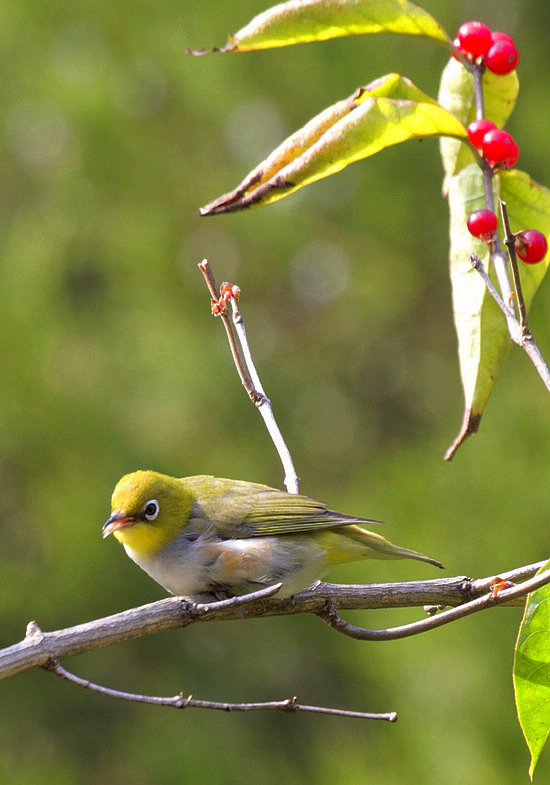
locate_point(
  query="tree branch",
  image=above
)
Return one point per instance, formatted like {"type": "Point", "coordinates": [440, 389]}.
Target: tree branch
{"type": "Point", "coordinates": [242, 357]}
{"type": "Point", "coordinates": [289, 706]}
{"type": "Point", "coordinates": [264, 407]}
{"type": "Point", "coordinates": [518, 333]}
{"type": "Point", "coordinates": [39, 648]}
{"type": "Point", "coordinates": [240, 365]}
{"type": "Point", "coordinates": [498, 597]}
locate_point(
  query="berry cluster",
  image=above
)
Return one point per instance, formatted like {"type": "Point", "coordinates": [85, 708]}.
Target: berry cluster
{"type": "Point", "coordinates": [531, 245]}
{"type": "Point", "coordinates": [475, 41]}
{"type": "Point", "coordinates": [497, 52]}
{"type": "Point", "coordinates": [497, 145]}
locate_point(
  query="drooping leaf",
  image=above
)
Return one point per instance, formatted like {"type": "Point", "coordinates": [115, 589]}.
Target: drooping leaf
{"type": "Point", "coordinates": [480, 326]}
{"type": "Point", "coordinates": [483, 340]}
{"type": "Point", "coordinates": [388, 111]}
{"type": "Point", "coordinates": [456, 94]}
{"type": "Point", "coordinates": [300, 21]}
{"type": "Point", "coordinates": [532, 672]}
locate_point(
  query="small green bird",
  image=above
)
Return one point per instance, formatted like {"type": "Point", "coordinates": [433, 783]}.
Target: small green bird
{"type": "Point", "coordinates": [204, 534]}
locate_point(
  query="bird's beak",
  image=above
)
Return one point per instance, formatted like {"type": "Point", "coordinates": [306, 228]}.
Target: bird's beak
{"type": "Point", "coordinates": [117, 521]}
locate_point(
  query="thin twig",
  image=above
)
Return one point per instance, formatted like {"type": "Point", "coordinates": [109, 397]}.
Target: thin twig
{"type": "Point", "coordinates": [523, 339]}
{"type": "Point", "coordinates": [510, 243]}
{"type": "Point", "coordinates": [202, 608]}
{"type": "Point", "coordinates": [482, 585]}
{"type": "Point", "coordinates": [334, 620]}
{"type": "Point", "coordinates": [246, 369]}
{"type": "Point", "coordinates": [214, 290]}
{"type": "Point", "coordinates": [180, 701]}
{"type": "Point", "coordinates": [265, 408]}
{"type": "Point", "coordinates": [477, 264]}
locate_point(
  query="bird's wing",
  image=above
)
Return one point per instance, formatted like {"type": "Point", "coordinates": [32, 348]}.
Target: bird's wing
{"type": "Point", "coordinates": [243, 509]}
{"type": "Point", "coordinates": [276, 512]}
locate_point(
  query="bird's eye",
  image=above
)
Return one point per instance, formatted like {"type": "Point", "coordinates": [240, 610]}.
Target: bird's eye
{"type": "Point", "coordinates": [151, 510]}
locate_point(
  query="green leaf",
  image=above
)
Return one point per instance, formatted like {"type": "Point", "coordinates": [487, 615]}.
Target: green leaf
{"type": "Point", "coordinates": [483, 340]}
{"type": "Point", "coordinates": [480, 326]}
{"type": "Point", "coordinates": [532, 672]}
{"type": "Point", "coordinates": [388, 111]}
{"type": "Point", "coordinates": [529, 208]}
{"type": "Point", "coordinates": [300, 21]}
{"type": "Point", "coordinates": [456, 94]}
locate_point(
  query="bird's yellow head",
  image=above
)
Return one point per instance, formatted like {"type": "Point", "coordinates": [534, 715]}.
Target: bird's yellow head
{"type": "Point", "coordinates": [148, 510]}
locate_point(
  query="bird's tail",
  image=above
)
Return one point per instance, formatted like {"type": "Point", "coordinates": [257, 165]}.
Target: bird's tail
{"type": "Point", "coordinates": [377, 547]}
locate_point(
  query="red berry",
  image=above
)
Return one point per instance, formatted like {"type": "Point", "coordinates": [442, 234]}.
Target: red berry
{"type": "Point", "coordinates": [456, 44]}
{"type": "Point", "coordinates": [474, 37]}
{"type": "Point", "coordinates": [497, 145]}
{"type": "Point", "coordinates": [497, 36]}
{"type": "Point", "coordinates": [477, 130]}
{"type": "Point", "coordinates": [502, 57]}
{"type": "Point", "coordinates": [513, 157]}
{"type": "Point", "coordinates": [531, 246]}
{"type": "Point", "coordinates": [482, 224]}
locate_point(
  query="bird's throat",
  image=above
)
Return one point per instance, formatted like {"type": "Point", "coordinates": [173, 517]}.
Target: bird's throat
{"type": "Point", "coordinates": [143, 538]}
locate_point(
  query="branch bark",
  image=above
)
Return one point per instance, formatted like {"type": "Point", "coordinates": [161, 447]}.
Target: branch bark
{"type": "Point", "coordinates": [41, 649]}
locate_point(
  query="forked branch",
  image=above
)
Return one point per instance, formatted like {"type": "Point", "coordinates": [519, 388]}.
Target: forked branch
{"type": "Point", "coordinates": [242, 357]}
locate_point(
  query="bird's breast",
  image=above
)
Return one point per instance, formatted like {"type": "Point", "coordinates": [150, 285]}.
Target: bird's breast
{"type": "Point", "coordinates": [206, 563]}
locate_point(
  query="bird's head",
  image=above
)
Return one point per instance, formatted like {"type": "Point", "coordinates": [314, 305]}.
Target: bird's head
{"type": "Point", "coordinates": [148, 510]}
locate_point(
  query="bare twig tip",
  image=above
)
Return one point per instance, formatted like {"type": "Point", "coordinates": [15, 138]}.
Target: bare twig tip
{"type": "Point", "coordinates": [33, 630]}
{"type": "Point", "coordinates": [244, 364]}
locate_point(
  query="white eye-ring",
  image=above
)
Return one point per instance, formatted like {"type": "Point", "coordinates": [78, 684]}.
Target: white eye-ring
{"type": "Point", "coordinates": [151, 509]}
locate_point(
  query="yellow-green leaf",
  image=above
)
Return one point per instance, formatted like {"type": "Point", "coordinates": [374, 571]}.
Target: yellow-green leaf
{"type": "Point", "coordinates": [388, 111]}
{"type": "Point", "coordinates": [480, 326]}
{"type": "Point", "coordinates": [483, 340]}
{"type": "Point", "coordinates": [300, 21]}
{"type": "Point", "coordinates": [529, 208]}
{"type": "Point", "coordinates": [532, 672]}
{"type": "Point", "coordinates": [456, 94]}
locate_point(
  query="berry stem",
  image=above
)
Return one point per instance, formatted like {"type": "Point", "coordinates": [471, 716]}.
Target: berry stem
{"type": "Point", "coordinates": [477, 73]}
{"type": "Point", "coordinates": [498, 257]}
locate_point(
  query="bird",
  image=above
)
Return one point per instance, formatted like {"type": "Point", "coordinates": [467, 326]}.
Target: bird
{"type": "Point", "coordinates": [207, 535]}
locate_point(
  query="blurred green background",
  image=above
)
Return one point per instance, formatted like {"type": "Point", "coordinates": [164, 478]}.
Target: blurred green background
{"type": "Point", "coordinates": [111, 138]}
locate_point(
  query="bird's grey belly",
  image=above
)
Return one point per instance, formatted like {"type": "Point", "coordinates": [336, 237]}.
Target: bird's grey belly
{"type": "Point", "coordinates": [210, 564]}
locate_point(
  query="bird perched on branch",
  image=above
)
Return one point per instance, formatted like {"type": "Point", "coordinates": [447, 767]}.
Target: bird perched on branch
{"type": "Point", "coordinates": [208, 535]}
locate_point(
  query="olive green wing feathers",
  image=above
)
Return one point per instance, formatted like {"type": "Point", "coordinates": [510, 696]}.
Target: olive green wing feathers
{"type": "Point", "coordinates": [276, 512]}
{"type": "Point", "coordinates": [237, 509]}
{"type": "Point", "coordinates": [244, 509]}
